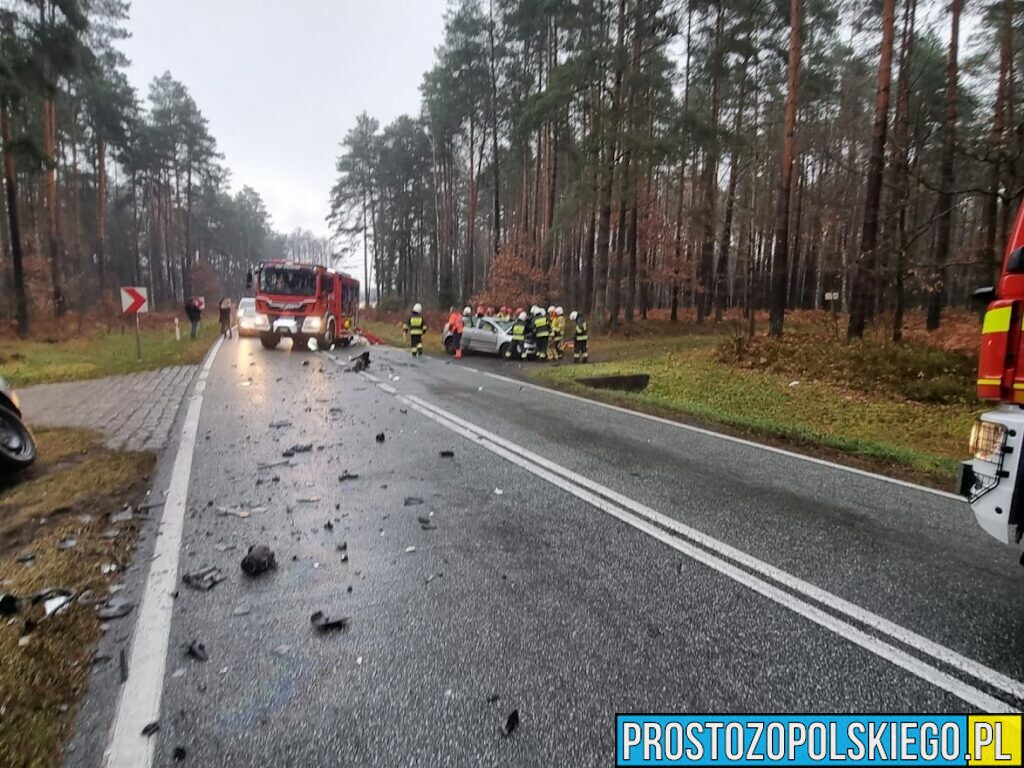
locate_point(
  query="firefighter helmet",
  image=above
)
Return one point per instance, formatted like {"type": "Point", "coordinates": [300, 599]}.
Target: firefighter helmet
{"type": "Point", "coordinates": [417, 308]}
{"type": "Point", "coordinates": [467, 312]}
{"type": "Point", "coordinates": [574, 315]}
{"type": "Point", "coordinates": [522, 316]}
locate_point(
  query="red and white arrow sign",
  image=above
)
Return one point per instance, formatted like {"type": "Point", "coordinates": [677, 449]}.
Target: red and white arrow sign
{"type": "Point", "coordinates": [134, 300]}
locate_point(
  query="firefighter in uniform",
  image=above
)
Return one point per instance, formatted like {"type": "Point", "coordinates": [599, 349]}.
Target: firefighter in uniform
{"type": "Point", "coordinates": [415, 326]}
{"type": "Point", "coordinates": [542, 332]}
{"type": "Point", "coordinates": [579, 348]}
{"type": "Point", "coordinates": [515, 349]}
{"type": "Point", "coordinates": [557, 332]}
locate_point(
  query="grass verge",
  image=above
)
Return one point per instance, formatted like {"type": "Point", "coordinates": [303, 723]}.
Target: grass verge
{"type": "Point", "coordinates": [392, 334]}
{"type": "Point", "coordinates": [70, 493]}
{"type": "Point", "coordinates": [24, 363]}
{"type": "Point", "coordinates": [889, 434]}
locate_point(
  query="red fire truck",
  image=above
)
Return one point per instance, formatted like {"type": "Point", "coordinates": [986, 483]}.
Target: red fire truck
{"type": "Point", "coordinates": [993, 479]}
{"type": "Point", "coordinates": [303, 302]}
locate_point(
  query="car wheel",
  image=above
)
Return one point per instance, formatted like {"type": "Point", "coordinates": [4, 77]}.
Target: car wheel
{"type": "Point", "coordinates": [270, 340]}
{"type": "Point", "coordinates": [449, 346]}
{"type": "Point", "coordinates": [503, 350]}
{"type": "Point", "coordinates": [17, 446]}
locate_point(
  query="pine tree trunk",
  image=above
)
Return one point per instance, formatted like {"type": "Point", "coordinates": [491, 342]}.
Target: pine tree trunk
{"type": "Point", "coordinates": [945, 199]}
{"type": "Point", "coordinates": [780, 260]}
{"type": "Point", "coordinates": [50, 195]}
{"type": "Point", "coordinates": [997, 145]}
{"type": "Point", "coordinates": [864, 276]}
{"type": "Point", "coordinates": [11, 189]}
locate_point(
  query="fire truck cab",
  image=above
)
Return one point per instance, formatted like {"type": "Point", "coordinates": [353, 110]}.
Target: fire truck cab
{"type": "Point", "coordinates": [303, 302]}
{"type": "Point", "coordinates": [993, 479]}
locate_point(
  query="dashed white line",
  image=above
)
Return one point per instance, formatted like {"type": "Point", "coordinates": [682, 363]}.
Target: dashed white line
{"type": "Point", "coordinates": [139, 704]}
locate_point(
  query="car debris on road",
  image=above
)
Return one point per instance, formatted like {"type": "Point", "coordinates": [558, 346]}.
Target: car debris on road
{"type": "Point", "coordinates": [259, 559]}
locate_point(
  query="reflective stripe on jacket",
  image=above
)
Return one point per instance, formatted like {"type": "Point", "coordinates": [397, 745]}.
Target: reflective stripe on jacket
{"type": "Point", "coordinates": [416, 325]}
{"type": "Point", "coordinates": [519, 331]}
{"type": "Point", "coordinates": [581, 331]}
{"type": "Point", "coordinates": [540, 327]}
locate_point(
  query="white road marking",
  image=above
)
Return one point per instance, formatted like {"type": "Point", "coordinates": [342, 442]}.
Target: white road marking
{"type": "Point", "coordinates": [140, 697]}
{"type": "Point", "coordinates": [719, 559]}
{"type": "Point", "coordinates": [835, 602]}
{"type": "Point", "coordinates": [728, 438]}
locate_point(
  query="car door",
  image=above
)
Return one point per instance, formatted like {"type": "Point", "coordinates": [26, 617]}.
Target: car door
{"type": "Point", "coordinates": [487, 337]}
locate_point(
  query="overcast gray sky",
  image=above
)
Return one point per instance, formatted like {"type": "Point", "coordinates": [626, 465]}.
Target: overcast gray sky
{"type": "Point", "coordinates": [281, 81]}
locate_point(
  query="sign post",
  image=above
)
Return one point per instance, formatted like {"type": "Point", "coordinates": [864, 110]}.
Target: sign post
{"type": "Point", "coordinates": [135, 301]}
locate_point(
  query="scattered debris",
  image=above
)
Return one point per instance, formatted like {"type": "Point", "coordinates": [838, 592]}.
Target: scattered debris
{"type": "Point", "coordinates": [498, 492]}
{"type": "Point", "coordinates": [280, 424]}
{"type": "Point", "coordinates": [204, 579]}
{"type": "Point", "coordinates": [447, 454]}
{"type": "Point", "coordinates": [380, 437]}
{"type": "Point", "coordinates": [410, 550]}
{"type": "Point", "coordinates": [246, 383]}
{"type": "Point", "coordinates": [413, 501]}
{"type": "Point", "coordinates": [151, 728]}
{"type": "Point", "coordinates": [55, 604]}
{"type": "Point", "coordinates": [346, 475]}
{"type": "Point", "coordinates": [242, 610]}
{"type": "Point", "coordinates": [179, 754]}
{"type": "Point", "coordinates": [309, 500]}
{"type": "Point", "coordinates": [122, 517]}
{"type": "Point", "coordinates": [301, 448]}
{"type": "Point", "coordinates": [511, 723]}
{"type": "Point", "coordinates": [325, 623]}
{"type": "Point", "coordinates": [122, 663]}
{"type": "Point", "coordinates": [424, 520]}
{"type": "Point", "coordinates": [493, 698]}
{"type": "Point", "coordinates": [328, 526]}
{"type": "Point", "coordinates": [259, 560]}
{"type": "Point", "coordinates": [9, 605]}
{"type": "Point", "coordinates": [27, 558]}
{"type": "Point", "coordinates": [113, 609]}
{"type": "Point", "coordinates": [68, 542]}
{"type": "Point", "coordinates": [108, 568]}
{"type": "Point", "coordinates": [360, 363]}
{"type": "Point", "coordinates": [196, 650]}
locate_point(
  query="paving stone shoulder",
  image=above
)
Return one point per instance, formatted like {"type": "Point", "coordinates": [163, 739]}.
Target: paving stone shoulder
{"type": "Point", "coordinates": [135, 411]}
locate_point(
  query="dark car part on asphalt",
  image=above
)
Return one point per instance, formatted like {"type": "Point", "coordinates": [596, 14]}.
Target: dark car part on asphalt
{"type": "Point", "coordinates": [447, 454]}
{"type": "Point", "coordinates": [9, 605]}
{"type": "Point", "coordinates": [258, 560]}
{"type": "Point", "coordinates": [204, 579]}
{"type": "Point", "coordinates": [151, 728]}
{"type": "Point", "coordinates": [17, 445]}
{"type": "Point", "coordinates": [628, 383]}
{"type": "Point", "coordinates": [511, 723]}
{"type": "Point", "coordinates": [196, 650]}
{"type": "Point", "coordinates": [346, 475]}
{"type": "Point", "coordinates": [179, 754]}
{"type": "Point", "coordinates": [360, 363]}
{"type": "Point", "coordinates": [380, 437]}
{"type": "Point", "coordinates": [325, 623]}
{"type": "Point", "coordinates": [113, 609]}
{"type": "Point", "coordinates": [303, 448]}
{"type": "Point", "coordinates": [413, 501]}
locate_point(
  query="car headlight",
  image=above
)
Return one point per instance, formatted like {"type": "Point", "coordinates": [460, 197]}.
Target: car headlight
{"type": "Point", "coordinates": [311, 324]}
{"type": "Point", "coordinates": [261, 321]}
{"type": "Point", "coordinates": [987, 440]}
{"type": "Point", "coordinates": [241, 314]}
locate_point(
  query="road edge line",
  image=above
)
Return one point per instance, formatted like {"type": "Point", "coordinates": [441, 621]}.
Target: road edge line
{"type": "Point", "coordinates": [139, 698]}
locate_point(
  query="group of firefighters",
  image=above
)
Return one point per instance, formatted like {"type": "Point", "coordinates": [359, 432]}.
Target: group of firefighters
{"type": "Point", "coordinates": [545, 327]}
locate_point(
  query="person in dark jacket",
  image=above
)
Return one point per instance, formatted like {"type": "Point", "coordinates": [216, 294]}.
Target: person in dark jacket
{"type": "Point", "coordinates": [225, 317]}
{"type": "Point", "coordinates": [194, 313]}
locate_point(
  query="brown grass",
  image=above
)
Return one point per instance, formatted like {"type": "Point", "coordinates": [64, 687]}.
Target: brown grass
{"type": "Point", "coordinates": [72, 491]}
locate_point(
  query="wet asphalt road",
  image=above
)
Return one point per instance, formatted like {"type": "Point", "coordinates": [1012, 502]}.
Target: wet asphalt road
{"type": "Point", "coordinates": [522, 595]}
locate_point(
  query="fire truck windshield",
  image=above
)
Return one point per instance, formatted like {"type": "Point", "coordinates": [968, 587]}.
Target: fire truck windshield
{"type": "Point", "coordinates": [288, 282]}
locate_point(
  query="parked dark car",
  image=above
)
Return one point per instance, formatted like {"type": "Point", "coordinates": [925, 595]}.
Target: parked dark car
{"type": "Point", "coordinates": [17, 446]}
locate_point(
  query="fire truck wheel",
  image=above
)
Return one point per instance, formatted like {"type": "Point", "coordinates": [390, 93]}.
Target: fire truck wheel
{"type": "Point", "coordinates": [327, 340]}
{"type": "Point", "coordinates": [270, 340]}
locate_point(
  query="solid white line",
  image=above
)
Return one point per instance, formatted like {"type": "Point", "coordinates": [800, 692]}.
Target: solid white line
{"type": "Point", "coordinates": [843, 629]}
{"type": "Point", "coordinates": [835, 602]}
{"type": "Point", "coordinates": [728, 438]}
{"type": "Point", "coordinates": [140, 697]}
